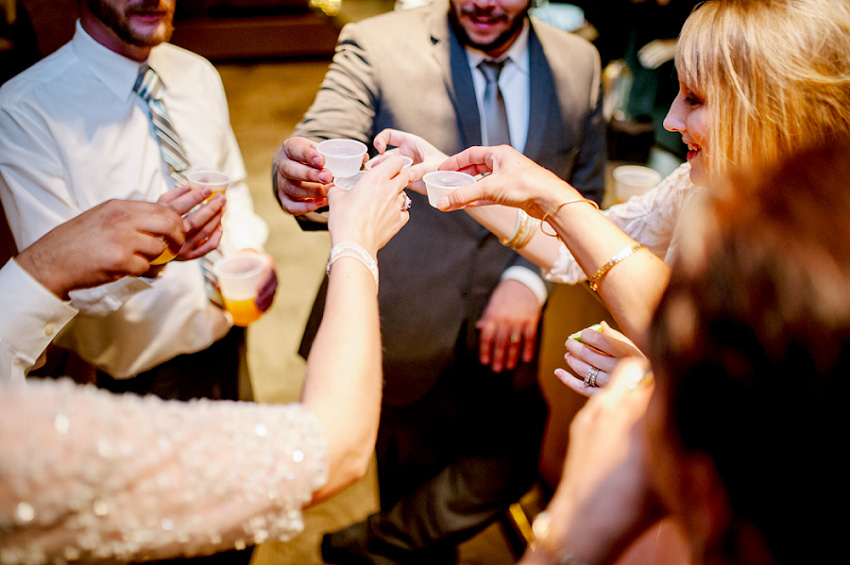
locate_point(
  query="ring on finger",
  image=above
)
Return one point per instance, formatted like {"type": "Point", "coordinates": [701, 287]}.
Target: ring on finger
{"type": "Point", "coordinates": [515, 337]}
{"type": "Point", "coordinates": [407, 203]}
{"type": "Point", "coordinates": [590, 378]}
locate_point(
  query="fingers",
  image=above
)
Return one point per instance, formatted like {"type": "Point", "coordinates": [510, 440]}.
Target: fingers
{"type": "Point", "coordinates": [579, 383]}
{"type": "Point", "coordinates": [204, 247]}
{"type": "Point", "coordinates": [590, 355]}
{"type": "Point", "coordinates": [265, 295]}
{"type": "Point", "coordinates": [199, 239]}
{"type": "Point", "coordinates": [183, 198]}
{"type": "Point", "coordinates": [172, 194]}
{"type": "Point", "coordinates": [389, 137]}
{"type": "Point", "coordinates": [461, 197]}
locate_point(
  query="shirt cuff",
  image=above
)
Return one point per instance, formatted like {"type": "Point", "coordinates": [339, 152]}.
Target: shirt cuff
{"type": "Point", "coordinates": [32, 315]}
{"type": "Point", "coordinates": [530, 279]}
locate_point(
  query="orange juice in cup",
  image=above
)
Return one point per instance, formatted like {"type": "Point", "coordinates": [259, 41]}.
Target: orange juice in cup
{"type": "Point", "coordinates": [239, 278]}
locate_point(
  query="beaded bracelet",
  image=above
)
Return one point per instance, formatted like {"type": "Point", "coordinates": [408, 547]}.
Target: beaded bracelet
{"type": "Point", "coordinates": [603, 270]}
{"type": "Point", "coordinates": [355, 251]}
{"type": "Point", "coordinates": [558, 207]}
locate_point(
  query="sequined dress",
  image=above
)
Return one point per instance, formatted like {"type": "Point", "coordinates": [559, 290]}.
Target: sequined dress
{"type": "Point", "coordinates": [86, 475]}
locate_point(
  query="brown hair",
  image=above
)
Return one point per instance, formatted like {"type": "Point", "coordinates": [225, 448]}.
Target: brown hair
{"type": "Point", "coordinates": [751, 349]}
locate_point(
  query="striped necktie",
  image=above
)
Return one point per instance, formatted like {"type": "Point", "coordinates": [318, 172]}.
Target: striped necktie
{"type": "Point", "coordinates": [148, 87]}
{"type": "Point", "coordinates": [495, 113]}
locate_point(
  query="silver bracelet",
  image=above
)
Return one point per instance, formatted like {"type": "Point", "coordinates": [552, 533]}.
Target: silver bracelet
{"type": "Point", "coordinates": [355, 251]}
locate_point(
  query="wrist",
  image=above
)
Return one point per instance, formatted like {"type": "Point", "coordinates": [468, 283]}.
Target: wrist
{"type": "Point", "coordinates": [550, 538]}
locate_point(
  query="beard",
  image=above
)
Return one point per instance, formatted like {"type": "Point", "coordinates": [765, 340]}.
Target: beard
{"type": "Point", "coordinates": [500, 41]}
{"type": "Point", "coordinates": [119, 22]}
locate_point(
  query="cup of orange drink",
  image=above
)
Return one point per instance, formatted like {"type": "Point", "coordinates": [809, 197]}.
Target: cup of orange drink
{"type": "Point", "coordinates": [239, 279]}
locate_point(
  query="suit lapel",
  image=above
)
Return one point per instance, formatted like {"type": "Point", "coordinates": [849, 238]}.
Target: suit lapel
{"type": "Point", "coordinates": [544, 109]}
{"type": "Point", "coordinates": [451, 57]}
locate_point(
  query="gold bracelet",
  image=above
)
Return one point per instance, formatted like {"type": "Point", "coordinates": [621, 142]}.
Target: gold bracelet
{"type": "Point", "coordinates": [520, 235]}
{"type": "Point", "coordinates": [603, 270]}
{"type": "Point", "coordinates": [558, 207]}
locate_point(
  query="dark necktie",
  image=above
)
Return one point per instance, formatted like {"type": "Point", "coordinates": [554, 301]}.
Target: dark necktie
{"type": "Point", "coordinates": [495, 114]}
{"type": "Point", "coordinates": [148, 87]}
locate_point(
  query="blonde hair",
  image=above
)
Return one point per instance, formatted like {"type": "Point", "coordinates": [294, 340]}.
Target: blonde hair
{"type": "Point", "coordinates": [775, 75]}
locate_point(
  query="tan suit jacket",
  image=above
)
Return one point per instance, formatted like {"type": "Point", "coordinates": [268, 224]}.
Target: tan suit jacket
{"type": "Point", "coordinates": [407, 70]}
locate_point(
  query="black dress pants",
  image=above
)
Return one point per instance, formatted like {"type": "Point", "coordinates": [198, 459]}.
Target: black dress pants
{"type": "Point", "coordinates": [448, 465]}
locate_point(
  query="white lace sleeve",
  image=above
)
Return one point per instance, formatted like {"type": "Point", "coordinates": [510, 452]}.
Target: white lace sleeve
{"type": "Point", "coordinates": [649, 219]}
{"type": "Point", "coordinates": [87, 475]}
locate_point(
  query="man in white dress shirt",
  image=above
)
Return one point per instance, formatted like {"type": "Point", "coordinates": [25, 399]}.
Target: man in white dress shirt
{"type": "Point", "coordinates": [73, 133]}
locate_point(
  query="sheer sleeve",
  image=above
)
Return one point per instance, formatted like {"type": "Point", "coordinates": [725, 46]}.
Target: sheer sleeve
{"type": "Point", "coordinates": [92, 476]}
{"type": "Point", "coordinates": [650, 219]}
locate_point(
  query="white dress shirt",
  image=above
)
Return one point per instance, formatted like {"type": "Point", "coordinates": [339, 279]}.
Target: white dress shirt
{"type": "Point", "coordinates": [652, 218]}
{"type": "Point", "coordinates": [31, 318]}
{"type": "Point", "coordinates": [515, 84]}
{"type": "Point", "coordinates": [72, 135]}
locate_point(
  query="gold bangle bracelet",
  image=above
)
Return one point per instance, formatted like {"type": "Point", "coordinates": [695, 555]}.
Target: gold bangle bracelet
{"type": "Point", "coordinates": [619, 256]}
{"type": "Point", "coordinates": [520, 234]}
{"type": "Point", "coordinates": [561, 205]}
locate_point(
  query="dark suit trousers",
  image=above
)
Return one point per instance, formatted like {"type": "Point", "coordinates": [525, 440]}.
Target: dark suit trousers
{"type": "Point", "coordinates": [448, 465]}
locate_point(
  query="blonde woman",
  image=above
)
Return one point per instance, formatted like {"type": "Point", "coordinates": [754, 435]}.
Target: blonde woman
{"type": "Point", "coordinates": [758, 80]}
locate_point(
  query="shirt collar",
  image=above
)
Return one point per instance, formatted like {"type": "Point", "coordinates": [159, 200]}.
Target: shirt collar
{"type": "Point", "coordinates": [116, 72]}
{"type": "Point", "coordinates": [517, 53]}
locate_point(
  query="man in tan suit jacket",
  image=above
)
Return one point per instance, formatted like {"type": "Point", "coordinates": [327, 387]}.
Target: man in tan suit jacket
{"type": "Point", "coordinates": [462, 419]}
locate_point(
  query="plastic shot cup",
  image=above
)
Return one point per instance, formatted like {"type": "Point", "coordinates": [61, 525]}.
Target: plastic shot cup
{"type": "Point", "coordinates": [239, 278]}
{"type": "Point", "coordinates": [343, 157]}
{"type": "Point", "coordinates": [440, 183]}
{"type": "Point", "coordinates": [215, 180]}
{"type": "Point", "coordinates": [408, 161]}
{"type": "Point", "coordinates": [633, 180]}
{"type": "Point", "coordinates": [346, 183]}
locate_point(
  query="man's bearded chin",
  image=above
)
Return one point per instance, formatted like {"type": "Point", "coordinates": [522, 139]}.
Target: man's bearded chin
{"type": "Point", "coordinates": [118, 23]}
{"type": "Point", "coordinates": [497, 43]}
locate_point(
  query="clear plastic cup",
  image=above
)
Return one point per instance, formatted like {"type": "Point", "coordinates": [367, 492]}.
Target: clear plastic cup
{"type": "Point", "coordinates": [440, 183]}
{"type": "Point", "coordinates": [633, 180]}
{"type": "Point", "coordinates": [239, 279]}
{"type": "Point", "coordinates": [408, 161]}
{"type": "Point", "coordinates": [343, 157]}
{"type": "Point", "coordinates": [215, 180]}
{"type": "Point", "coordinates": [346, 183]}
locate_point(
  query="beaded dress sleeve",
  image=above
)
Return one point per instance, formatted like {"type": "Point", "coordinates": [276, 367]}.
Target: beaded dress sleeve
{"type": "Point", "coordinates": [87, 475]}
{"type": "Point", "coordinates": [650, 219]}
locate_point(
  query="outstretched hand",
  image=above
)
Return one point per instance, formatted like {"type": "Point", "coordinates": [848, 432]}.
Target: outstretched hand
{"type": "Point", "coordinates": [511, 180]}
{"type": "Point", "coordinates": [373, 210]}
{"type": "Point", "coordinates": [103, 244]}
{"type": "Point", "coordinates": [426, 157]}
{"type": "Point", "coordinates": [300, 177]}
{"type": "Point", "coordinates": [201, 224]}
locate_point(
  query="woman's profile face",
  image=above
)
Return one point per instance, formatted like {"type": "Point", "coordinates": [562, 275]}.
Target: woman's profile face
{"type": "Point", "coordinates": [688, 115]}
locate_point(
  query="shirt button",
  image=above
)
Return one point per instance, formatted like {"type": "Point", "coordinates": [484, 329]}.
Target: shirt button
{"type": "Point", "coordinates": [49, 329]}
